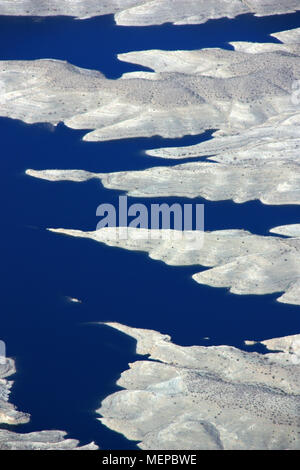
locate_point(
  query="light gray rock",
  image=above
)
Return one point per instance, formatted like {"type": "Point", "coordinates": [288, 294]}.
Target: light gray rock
{"type": "Point", "coordinates": [292, 230]}
{"type": "Point", "coordinates": [288, 349]}
{"type": "Point", "coordinates": [77, 176]}
{"type": "Point", "coordinates": [243, 262]}
{"type": "Point", "coordinates": [291, 36]}
{"type": "Point", "coordinates": [198, 397]}
{"type": "Point", "coordinates": [245, 91]}
{"type": "Point", "coordinates": [76, 8]}
{"type": "Point", "coordinates": [271, 183]}
{"type": "Point", "coordinates": [250, 97]}
{"type": "Point", "coordinates": [8, 412]}
{"type": "Point", "coordinates": [41, 440]}
{"type": "Point", "coordinates": [199, 11]}
{"type": "Point", "coordinates": [148, 12]}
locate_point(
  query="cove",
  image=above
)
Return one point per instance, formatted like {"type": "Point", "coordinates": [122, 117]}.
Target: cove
{"type": "Point", "coordinates": [65, 364]}
{"type": "Point", "coordinates": [94, 43]}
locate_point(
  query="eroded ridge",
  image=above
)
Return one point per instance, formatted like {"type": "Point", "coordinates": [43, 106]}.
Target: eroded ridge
{"type": "Point", "coordinates": [216, 397]}
{"type": "Point", "coordinates": [251, 95]}
{"type": "Point", "coordinates": [8, 412]}
{"type": "Point", "coordinates": [40, 440]}
{"type": "Point", "coordinates": [149, 12]}
{"type": "Point", "coordinates": [239, 260]}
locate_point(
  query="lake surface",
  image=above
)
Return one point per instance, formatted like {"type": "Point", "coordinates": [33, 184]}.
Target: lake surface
{"type": "Point", "coordinates": [65, 363]}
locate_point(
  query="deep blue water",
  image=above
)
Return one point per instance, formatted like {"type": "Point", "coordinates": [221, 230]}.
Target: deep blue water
{"type": "Point", "coordinates": [94, 43]}
{"type": "Point", "coordinates": [65, 364]}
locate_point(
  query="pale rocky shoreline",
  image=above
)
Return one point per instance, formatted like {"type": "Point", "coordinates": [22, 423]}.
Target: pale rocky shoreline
{"type": "Point", "coordinates": [245, 263]}
{"type": "Point", "coordinates": [149, 12]}
{"type": "Point", "coordinates": [8, 412]}
{"type": "Point", "coordinates": [40, 440]}
{"type": "Point", "coordinates": [193, 398]}
{"type": "Point", "coordinates": [207, 398]}
{"type": "Point", "coordinates": [216, 397]}
{"type": "Point", "coordinates": [251, 96]}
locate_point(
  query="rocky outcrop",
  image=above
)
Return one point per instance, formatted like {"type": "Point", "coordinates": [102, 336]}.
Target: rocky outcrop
{"type": "Point", "coordinates": [8, 412]}
{"type": "Point", "coordinates": [252, 97]}
{"type": "Point", "coordinates": [198, 397]}
{"type": "Point", "coordinates": [41, 440]}
{"type": "Point", "coordinates": [148, 12]}
{"type": "Point", "coordinates": [243, 262]}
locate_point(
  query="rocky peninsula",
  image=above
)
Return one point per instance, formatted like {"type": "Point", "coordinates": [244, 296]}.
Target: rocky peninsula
{"type": "Point", "coordinates": [216, 398]}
